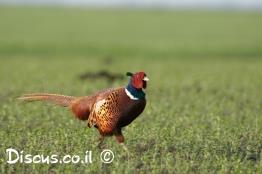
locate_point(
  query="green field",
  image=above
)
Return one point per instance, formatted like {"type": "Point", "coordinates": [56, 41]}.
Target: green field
{"type": "Point", "coordinates": [204, 110]}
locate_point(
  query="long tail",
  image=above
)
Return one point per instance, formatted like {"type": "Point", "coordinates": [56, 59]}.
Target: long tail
{"type": "Point", "coordinates": [61, 100]}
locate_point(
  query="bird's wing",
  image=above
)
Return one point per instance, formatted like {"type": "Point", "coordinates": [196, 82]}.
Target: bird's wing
{"type": "Point", "coordinates": [105, 113]}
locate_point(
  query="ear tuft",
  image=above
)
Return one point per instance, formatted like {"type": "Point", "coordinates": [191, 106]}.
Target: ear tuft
{"type": "Point", "coordinates": [129, 74]}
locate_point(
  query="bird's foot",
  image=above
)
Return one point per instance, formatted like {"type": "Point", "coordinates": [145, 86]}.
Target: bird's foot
{"type": "Point", "coordinates": [126, 150]}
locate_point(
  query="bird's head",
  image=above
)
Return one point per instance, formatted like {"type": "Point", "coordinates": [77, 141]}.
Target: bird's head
{"type": "Point", "coordinates": [138, 80]}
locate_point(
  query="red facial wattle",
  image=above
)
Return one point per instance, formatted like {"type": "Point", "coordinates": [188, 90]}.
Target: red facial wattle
{"type": "Point", "coordinates": [139, 80]}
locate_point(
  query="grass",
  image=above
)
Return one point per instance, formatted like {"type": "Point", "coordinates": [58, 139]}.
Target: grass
{"type": "Point", "coordinates": [204, 97]}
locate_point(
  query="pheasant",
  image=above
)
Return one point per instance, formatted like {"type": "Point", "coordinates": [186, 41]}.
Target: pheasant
{"type": "Point", "coordinates": [109, 110]}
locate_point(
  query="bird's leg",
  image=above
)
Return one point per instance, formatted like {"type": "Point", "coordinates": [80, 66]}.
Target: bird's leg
{"type": "Point", "coordinates": [120, 139]}
{"type": "Point", "coordinates": [101, 144]}
{"type": "Point", "coordinates": [119, 136]}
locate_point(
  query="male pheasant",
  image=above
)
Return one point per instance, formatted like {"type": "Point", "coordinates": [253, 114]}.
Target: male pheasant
{"type": "Point", "coordinates": [109, 110]}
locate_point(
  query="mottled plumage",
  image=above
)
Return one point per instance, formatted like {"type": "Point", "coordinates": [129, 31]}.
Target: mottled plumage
{"type": "Point", "coordinates": [107, 110]}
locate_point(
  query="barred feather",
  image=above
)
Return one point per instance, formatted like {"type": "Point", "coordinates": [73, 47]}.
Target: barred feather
{"type": "Point", "coordinates": [61, 100]}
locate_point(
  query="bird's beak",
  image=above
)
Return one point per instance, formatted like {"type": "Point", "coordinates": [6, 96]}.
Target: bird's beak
{"type": "Point", "coordinates": [146, 79]}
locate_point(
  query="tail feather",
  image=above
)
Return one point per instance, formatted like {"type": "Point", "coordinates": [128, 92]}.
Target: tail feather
{"type": "Point", "coordinates": [61, 100]}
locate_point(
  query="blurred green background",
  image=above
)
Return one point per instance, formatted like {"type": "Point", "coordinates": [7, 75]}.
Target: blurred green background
{"type": "Point", "coordinates": [129, 33]}
{"type": "Point", "coordinates": [204, 97]}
